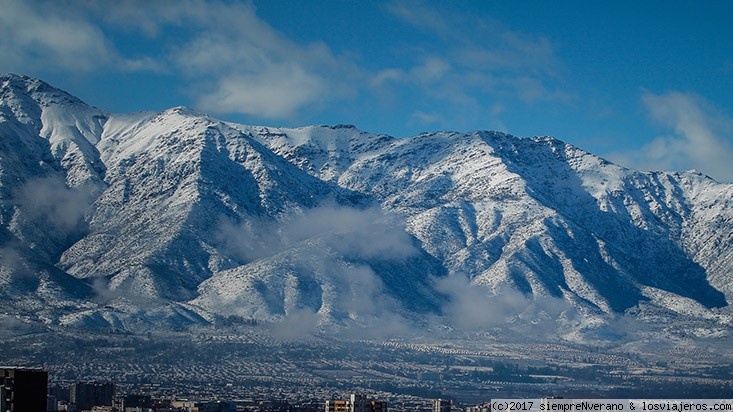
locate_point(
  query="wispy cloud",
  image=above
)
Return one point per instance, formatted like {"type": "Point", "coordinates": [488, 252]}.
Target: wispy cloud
{"type": "Point", "coordinates": [702, 137]}
{"type": "Point", "coordinates": [13, 265]}
{"type": "Point", "coordinates": [50, 214]}
{"type": "Point", "coordinates": [49, 202]}
{"type": "Point", "coordinates": [255, 69]}
{"type": "Point", "coordinates": [51, 34]}
{"type": "Point", "coordinates": [362, 233]}
{"type": "Point", "coordinates": [487, 58]}
{"type": "Point", "coordinates": [473, 307]}
{"type": "Point", "coordinates": [419, 15]}
{"type": "Point", "coordinates": [231, 61]}
{"type": "Point", "coordinates": [466, 65]}
{"type": "Point", "coordinates": [422, 118]}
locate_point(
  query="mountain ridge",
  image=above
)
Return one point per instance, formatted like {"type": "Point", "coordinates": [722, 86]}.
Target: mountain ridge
{"type": "Point", "coordinates": [177, 218]}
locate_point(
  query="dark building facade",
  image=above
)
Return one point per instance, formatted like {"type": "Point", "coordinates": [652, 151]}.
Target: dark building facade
{"type": "Point", "coordinates": [23, 390]}
{"type": "Point", "coordinates": [86, 395]}
{"type": "Point", "coordinates": [133, 401]}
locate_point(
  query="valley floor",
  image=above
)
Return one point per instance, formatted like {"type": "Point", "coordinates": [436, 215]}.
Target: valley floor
{"type": "Point", "coordinates": [248, 362]}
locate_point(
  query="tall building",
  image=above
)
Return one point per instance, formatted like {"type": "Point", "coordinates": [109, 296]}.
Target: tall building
{"type": "Point", "coordinates": [377, 406]}
{"type": "Point", "coordinates": [358, 403]}
{"type": "Point", "coordinates": [23, 390]}
{"type": "Point", "coordinates": [86, 395]}
{"type": "Point", "coordinates": [52, 405]}
{"type": "Point", "coordinates": [355, 403]}
{"type": "Point", "coordinates": [441, 405]}
{"type": "Point", "coordinates": [337, 405]}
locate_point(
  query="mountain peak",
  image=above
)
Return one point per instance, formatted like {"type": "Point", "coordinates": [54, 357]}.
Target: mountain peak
{"type": "Point", "coordinates": [211, 217]}
{"type": "Point", "coordinates": [184, 111]}
{"type": "Point", "coordinates": [39, 91]}
{"type": "Point", "coordinates": [8, 80]}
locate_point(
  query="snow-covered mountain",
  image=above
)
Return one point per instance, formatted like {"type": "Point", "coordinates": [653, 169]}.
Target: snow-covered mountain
{"type": "Point", "coordinates": [176, 218]}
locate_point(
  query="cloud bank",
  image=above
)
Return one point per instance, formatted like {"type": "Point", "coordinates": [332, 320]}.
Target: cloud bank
{"type": "Point", "coordinates": [473, 307]}
{"type": "Point", "coordinates": [49, 202]}
{"type": "Point", "coordinates": [322, 257]}
{"type": "Point", "coordinates": [363, 233]}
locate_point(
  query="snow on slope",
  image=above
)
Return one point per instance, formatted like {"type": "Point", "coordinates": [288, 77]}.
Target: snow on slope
{"type": "Point", "coordinates": [339, 263]}
{"type": "Point", "coordinates": [547, 218]}
{"type": "Point", "coordinates": [176, 218]}
{"type": "Point", "coordinates": [322, 151]}
{"type": "Point", "coordinates": [69, 127]}
{"type": "Point", "coordinates": [49, 173]}
{"type": "Point", "coordinates": [173, 178]}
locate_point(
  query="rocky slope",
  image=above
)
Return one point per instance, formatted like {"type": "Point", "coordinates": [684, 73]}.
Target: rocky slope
{"type": "Point", "coordinates": [176, 218]}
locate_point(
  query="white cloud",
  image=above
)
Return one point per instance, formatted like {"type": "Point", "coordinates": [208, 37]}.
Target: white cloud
{"type": "Point", "coordinates": [277, 93]}
{"type": "Point", "coordinates": [234, 61]}
{"type": "Point", "coordinates": [473, 307]}
{"type": "Point", "coordinates": [254, 68]}
{"type": "Point", "coordinates": [388, 75]}
{"type": "Point", "coordinates": [49, 202]}
{"type": "Point", "coordinates": [363, 233]}
{"type": "Point", "coordinates": [420, 117]}
{"type": "Point", "coordinates": [464, 66]}
{"type": "Point", "coordinates": [35, 34]}
{"type": "Point", "coordinates": [702, 137]}
{"type": "Point", "coordinates": [14, 264]}
{"type": "Point", "coordinates": [146, 16]}
{"type": "Point", "coordinates": [431, 70]}
{"type": "Point", "coordinates": [417, 14]}
{"type": "Point", "coordinates": [53, 35]}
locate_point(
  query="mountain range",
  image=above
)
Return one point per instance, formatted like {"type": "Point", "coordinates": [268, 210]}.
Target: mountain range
{"type": "Point", "coordinates": [172, 219]}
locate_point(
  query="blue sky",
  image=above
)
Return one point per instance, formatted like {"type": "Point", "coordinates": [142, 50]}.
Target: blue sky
{"type": "Point", "coordinates": [646, 84]}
